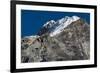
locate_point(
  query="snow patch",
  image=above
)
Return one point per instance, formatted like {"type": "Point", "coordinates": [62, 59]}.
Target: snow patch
{"type": "Point", "coordinates": [64, 22]}
{"type": "Point", "coordinates": [50, 23]}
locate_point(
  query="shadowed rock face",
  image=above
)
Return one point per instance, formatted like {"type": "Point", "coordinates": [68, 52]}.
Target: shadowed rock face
{"type": "Point", "coordinates": [73, 43]}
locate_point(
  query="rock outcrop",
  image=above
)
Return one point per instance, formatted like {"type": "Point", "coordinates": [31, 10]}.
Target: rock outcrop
{"type": "Point", "coordinates": [72, 43]}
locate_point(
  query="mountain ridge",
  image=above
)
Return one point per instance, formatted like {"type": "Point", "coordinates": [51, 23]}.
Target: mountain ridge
{"type": "Point", "coordinates": [73, 43]}
{"type": "Point", "coordinates": [55, 27]}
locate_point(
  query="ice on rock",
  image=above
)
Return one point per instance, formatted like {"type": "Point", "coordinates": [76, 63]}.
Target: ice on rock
{"type": "Point", "coordinates": [64, 22]}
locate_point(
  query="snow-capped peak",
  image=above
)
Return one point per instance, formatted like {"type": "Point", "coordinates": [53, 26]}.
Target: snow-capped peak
{"type": "Point", "coordinates": [55, 27]}
{"type": "Point", "coordinates": [64, 22]}
{"type": "Point", "coordinates": [75, 18]}
{"type": "Point", "coordinates": [50, 23]}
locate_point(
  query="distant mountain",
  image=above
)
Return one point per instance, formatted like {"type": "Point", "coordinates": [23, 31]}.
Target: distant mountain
{"type": "Point", "coordinates": [62, 40]}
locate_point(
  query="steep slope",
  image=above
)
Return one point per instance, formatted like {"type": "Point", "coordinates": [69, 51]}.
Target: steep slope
{"type": "Point", "coordinates": [55, 27]}
{"type": "Point", "coordinates": [72, 43]}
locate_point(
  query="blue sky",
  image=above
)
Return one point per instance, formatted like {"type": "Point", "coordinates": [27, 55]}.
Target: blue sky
{"type": "Point", "coordinates": [32, 20]}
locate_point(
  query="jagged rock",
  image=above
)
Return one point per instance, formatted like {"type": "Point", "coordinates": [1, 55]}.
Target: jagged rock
{"type": "Point", "coordinates": [72, 43]}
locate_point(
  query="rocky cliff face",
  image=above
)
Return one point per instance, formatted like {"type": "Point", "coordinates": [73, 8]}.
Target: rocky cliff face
{"type": "Point", "coordinates": [72, 43]}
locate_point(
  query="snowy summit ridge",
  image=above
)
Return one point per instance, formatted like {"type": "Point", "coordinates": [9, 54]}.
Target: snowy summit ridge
{"type": "Point", "coordinates": [64, 22]}
{"type": "Point", "coordinates": [55, 27]}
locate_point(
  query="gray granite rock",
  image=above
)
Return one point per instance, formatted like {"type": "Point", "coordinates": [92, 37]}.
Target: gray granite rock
{"type": "Point", "coordinates": [73, 43]}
